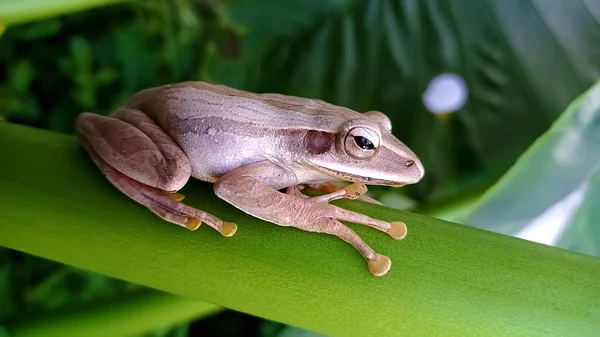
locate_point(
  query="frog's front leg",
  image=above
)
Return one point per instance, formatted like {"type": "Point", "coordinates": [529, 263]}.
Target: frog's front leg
{"type": "Point", "coordinates": [254, 189]}
{"type": "Point", "coordinates": [144, 163]}
{"type": "Point", "coordinates": [335, 191]}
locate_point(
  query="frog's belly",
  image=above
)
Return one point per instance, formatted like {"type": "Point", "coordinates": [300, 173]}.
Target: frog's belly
{"type": "Point", "coordinates": [211, 156]}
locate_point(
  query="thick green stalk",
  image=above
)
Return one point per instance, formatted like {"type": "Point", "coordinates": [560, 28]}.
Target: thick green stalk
{"type": "Point", "coordinates": [446, 279]}
{"type": "Point", "coordinates": [133, 314]}
{"type": "Point", "coordinates": [22, 11]}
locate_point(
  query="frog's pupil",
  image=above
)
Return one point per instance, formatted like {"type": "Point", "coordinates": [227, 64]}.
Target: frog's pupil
{"type": "Point", "coordinates": [363, 143]}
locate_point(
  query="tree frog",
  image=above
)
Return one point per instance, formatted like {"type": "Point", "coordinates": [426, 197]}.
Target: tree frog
{"type": "Point", "coordinates": [258, 150]}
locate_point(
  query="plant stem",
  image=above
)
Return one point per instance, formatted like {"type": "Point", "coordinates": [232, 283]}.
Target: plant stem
{"type": "Point", "coordinates": [446, 279]}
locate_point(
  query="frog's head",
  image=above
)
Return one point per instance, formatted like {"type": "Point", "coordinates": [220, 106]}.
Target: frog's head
{"type": "Point", "coordinates": [364, 150]}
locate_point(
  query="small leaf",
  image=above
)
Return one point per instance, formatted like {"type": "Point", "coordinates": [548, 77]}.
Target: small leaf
{"type": "Point", "coordinates": [21, 75]}
{"type": "Point", "coordinates": [82, 52]}
{"type": "Point", "coordinates": [7, 304]}
{"type": "Point", "coordinates": [106, 76]}
{"type": "Point", "coordinates": [41, 29]}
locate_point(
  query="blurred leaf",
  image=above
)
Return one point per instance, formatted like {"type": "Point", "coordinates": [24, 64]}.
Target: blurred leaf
{"type": "Point", "coordinates": [7, 302]}
{"type": "Point", "coordinates": [16, 12]}
{"type": "Point", "coordinates": [106, 76]}
{"type": "Point", "coordinates": [262, 24]}
{"type": "Point", "coordinates": [15, 97]}
{"type": "Point", "coordinates": [297, 332]}
{"type": "Point", "coordinates": [131, 314]}
{"type": "Point", "coordinates": [81, 68]}
{"type": "Point", "coordinates": [582, 233]}
{"type": "Point", "coordinates": [554, 184]}
{"type": "Point", "coordinates": [394, 199]}
{"type": "Point", "coordinates": [50, 293]}
{"type": "Point", "coordinates": [21, 75]}
{"type": "Point", "coordinates": [448, 279]}
{"type": "Point", "coordinates": [40, 29]}
{"type": "Point", "coordinates": [382, 55]}
{"type": "Point", "coordinates": [271, 328]}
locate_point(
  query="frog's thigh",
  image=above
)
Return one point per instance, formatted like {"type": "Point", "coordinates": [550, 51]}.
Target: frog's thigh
{"type": "Point", "coordinates": [134, 145]}
{"type": "Point", "coordinates": [138, 158]}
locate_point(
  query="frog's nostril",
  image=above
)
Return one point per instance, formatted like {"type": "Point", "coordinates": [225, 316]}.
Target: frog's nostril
{"type": "Point", "coordinates": [409, 163]}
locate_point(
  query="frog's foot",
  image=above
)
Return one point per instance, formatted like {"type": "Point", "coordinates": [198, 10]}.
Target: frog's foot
{"type": "Point", "coordinates": [166, 205]}
{"type": "Point", "coordinates": [355, 191]}
{"type": "Point", "coordinates": [325, 218]}
{"type": "Point", "coordinates": [396, 229]}
{"type": "Point", "coordinates": [378, 264]}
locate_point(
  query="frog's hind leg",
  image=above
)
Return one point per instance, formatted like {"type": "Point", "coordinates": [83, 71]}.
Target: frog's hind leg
{"type": "Point", "coordinates": [144, 163]}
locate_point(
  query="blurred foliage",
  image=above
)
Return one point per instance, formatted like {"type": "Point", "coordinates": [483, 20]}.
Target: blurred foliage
{"type": "Point", "coordinates": [30, 286]}
{"type": "Point", "coordinates": [523, 61]}
{"type": "Point", "coordinates": [55, 69]}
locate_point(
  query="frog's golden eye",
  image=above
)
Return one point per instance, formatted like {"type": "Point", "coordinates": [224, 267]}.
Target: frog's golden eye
{"type": "Point", "coordinates": [361, 142]}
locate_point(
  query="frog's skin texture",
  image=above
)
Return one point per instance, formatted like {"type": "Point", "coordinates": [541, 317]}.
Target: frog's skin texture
{"type": "Point", "coordinates": [251, 146]}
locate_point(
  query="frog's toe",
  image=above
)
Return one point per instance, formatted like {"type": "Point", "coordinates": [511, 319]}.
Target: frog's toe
{"type": "Point", "coordinates": [192, 224]}
{"type": "Point", "coordinates": [379, 265]}
{"type": "Point", "coordinates": [177, 196]}
{"type": "Point", "coordinates": [355, 190]}
{"type": "Point", "coordinates": [228, 229]}
{"type": "Point", "coordinates": [397, 230]}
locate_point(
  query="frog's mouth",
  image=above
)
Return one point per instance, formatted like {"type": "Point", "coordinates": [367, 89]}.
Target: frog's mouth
{"type": "Point", "coordinates": [360, 179]}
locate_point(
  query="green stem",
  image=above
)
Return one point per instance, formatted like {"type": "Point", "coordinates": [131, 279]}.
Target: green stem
{"type": "Point", "coordinates": [23, 11]}
{"type": "Point", "coordinates": [446, 279]}
{"type": "Point", "coordinates": [133, 314]}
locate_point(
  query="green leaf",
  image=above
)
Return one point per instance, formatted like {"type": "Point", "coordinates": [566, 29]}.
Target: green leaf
{"type": "Point", "coordinates": [382, 55]}
{"type": "Point", "coordinates": [446, 279]}
{"type": "Point", "coordinates": [41, 29]}
{"type": "Point", "coordinates": [21, 75]}
{"type": "Point", "coordinates": [582, 233]}
{"type": "Point", "coordinates": [550, 181]}
{"type": "Point", "coordinates": [7, 305]}
{"type": "Point", "coordinates": [23, 11]}
{"type": "Point", "coordinates": [263, 23]}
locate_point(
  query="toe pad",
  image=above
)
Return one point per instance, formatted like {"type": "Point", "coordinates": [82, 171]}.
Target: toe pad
{"type": "Point", "coordinates": [398, 230]}
{"type": "Point", "coordinates": [380, 265]}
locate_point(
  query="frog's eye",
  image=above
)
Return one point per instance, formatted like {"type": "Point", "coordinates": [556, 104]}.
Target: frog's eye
{"type": "Point", "coordinates": [364, 143]}
{"type": "Point", "coordinates": [361, 142]}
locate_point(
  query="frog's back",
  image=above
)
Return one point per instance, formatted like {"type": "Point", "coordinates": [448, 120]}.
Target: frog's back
{"type": "Point", "coordinates": [190, 103]}
{"type": "Point", "coordinates": [221, 128]}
